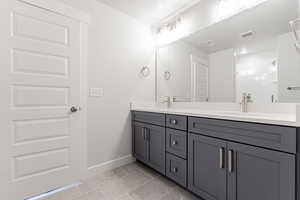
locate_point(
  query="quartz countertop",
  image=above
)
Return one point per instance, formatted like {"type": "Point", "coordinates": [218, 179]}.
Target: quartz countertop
{"type": "Point", "coordinates": [264, 118]}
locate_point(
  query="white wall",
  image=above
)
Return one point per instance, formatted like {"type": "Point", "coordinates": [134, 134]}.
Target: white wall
{"type": "Point", "coordinates": [257, 75]}
{"type": "Point", "coordinates": [222, 76]}
{"type": "Point", "coordinates": [176, 58]}
{"type": "Point", "coordinates": [118, 47]}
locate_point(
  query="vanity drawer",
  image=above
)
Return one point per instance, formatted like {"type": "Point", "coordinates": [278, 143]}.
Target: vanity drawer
{"type": "Point", "coordinates": [148, 117]}
{"type": "Point", "coordinates": [269, 136]}
{"type": "Point", "coordinates": [176, 142]}
{"type": "Point", "coordinates": [176, 169]}
{"type": "Point", "coordinates": [176, 121]}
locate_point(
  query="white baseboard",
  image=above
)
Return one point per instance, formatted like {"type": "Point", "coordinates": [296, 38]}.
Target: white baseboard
{"type": "Point", "coordinates": [110, 165]}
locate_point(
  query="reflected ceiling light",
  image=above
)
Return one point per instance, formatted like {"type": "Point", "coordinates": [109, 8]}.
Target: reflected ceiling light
{"type": "Point", "coordinates": [243, 51]}
{"type": "Point", "coordinates": [273, 69]}
{"type": "Point", "coordinates": [160, 6]}
{"type": "Point", "coordinates": [249, 72]}
{"type": "Point", "coordinates": [240, 51]}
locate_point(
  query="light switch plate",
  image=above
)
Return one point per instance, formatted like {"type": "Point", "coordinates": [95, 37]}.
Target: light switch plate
{"type": "Point", "coordinates": [96, 92]}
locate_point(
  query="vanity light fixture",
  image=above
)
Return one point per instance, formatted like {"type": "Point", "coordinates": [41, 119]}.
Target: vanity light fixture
{"type": "Point", "coordinates": [170, 31]}
{"type": "Point", "coordinates": [169, 26]}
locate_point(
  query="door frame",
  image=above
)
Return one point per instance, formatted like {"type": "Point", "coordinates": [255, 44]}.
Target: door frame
{"type": "Point", "coordinates": [60, 8]}
{"type": "Point", "coordinates": [194, 58]}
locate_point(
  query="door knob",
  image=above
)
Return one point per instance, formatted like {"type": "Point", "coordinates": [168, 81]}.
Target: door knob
{"type": "Point", "coordinates": [74, 109]}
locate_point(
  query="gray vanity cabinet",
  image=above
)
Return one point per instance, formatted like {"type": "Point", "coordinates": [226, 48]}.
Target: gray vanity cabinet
{"type": "Point", "coordinates": [156, 137]}
{"type": "Point", "coordinates": [241, 172]}
{"type": "Point", "coordinates": [140, 144]}
{"type": "Point", "coordinates": [260, 174]}
{"type": "Point", "coordinates": [206, 167]}
{"type": "Point", "coordinates": [149, 145]}
{"type": "Point", "coordinates": [220, 159]}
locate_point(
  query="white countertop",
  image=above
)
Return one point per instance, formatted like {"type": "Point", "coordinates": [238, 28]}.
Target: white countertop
{"type": "Point", "coordinates": [265, 118]}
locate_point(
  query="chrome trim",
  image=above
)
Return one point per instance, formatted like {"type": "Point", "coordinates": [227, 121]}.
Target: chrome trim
{"type": "Point", "coordinates": [221, 151]}
{"type": "Point", "coordinates": [294, 88]}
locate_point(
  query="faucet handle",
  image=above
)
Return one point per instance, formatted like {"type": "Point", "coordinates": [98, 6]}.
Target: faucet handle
{"type": "Point", "coordinates": [249, 98]}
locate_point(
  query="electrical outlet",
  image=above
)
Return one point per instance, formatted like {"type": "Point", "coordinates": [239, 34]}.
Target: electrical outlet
{"type": "Point", "coordinates": [96, 92]}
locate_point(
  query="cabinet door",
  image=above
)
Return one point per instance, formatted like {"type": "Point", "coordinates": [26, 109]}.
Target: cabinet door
{"type": "Point", "coordinates": [156, 137]}
{"type": "Point", "coordinates": [207, 168]}
{"type": "Point", "coordinates": [260, 174]}
{"type": "Point", "coordinates": [140, 144]}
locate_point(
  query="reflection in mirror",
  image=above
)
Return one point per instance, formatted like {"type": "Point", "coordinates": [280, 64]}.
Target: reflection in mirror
{"type": "Point", "coordinates": [252, 52]}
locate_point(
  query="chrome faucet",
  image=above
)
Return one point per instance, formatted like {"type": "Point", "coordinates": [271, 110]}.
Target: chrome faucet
{"type": "Point", "coordinates": [246, 98]}
{"type": "Point", "coordinates": [167, 101]}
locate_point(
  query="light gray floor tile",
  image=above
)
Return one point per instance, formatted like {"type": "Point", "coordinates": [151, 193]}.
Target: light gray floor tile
{"type": "Point", "coordinates": [155, 189]}
{"type": "Point", "coordinates": [94, 195]}
{"type": "Point", "coordinates": [114, 188]}
{"type": "Point", "coordinates": [179, 194]}
{"type": "Point", "coordinates": [129, 182]}
{"type": "Point", "coordinates": [126, 197]}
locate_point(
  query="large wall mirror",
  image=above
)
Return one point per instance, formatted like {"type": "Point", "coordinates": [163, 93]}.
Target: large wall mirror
{"type": "Point", "coordinates": [252, 52]}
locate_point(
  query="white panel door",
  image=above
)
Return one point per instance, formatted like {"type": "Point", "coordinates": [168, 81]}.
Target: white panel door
{"type": "Point", "coordinates": [199, 80]}
{"type": "Point", "coordinates": [40, 82]}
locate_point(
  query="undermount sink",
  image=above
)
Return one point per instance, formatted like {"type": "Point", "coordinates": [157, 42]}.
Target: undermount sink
{"type": "Point", "coordinates": [244, 114]}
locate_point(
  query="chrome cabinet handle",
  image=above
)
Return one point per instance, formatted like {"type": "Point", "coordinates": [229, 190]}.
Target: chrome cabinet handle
{"type": "Point", "coordinates": [144, 135]}
{"type": "Point", "coordinates": [147, 134]}
{"type": "Point", "coordinates": [221, 151]}
{"type": "Point", "coordinates": [174, 143]}
{"type": "Point", "coordinates": [173, 121]}
{"type": "Point", "coordinates": [230, 161]}
{"type": "Point", "coordinates": [175, 170]}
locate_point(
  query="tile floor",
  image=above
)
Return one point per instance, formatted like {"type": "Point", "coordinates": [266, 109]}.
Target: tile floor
{"type": "Point", "coordinates": [130, 182]}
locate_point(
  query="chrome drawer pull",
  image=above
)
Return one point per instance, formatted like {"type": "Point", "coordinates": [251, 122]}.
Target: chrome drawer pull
{"type": "Point", "coordinates": [173, 121]}
{"type": "Point", "coordinates": [175, 170]}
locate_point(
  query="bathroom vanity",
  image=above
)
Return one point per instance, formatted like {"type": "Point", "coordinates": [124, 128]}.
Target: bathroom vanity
{"type": "Point", "coordinates": [218, 158]}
